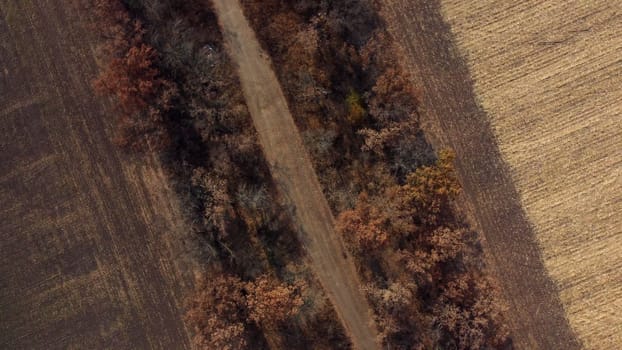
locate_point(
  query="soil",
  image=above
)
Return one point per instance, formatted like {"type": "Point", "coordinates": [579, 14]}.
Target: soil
{"type": "Point", "coordinates": [86, 232]}
{"type": "Point", "coordinates": [451, 117]}
{"type": "Point", "coordinates": [294, 174]}
{"type": "Point", "coordinates": [548, 75]}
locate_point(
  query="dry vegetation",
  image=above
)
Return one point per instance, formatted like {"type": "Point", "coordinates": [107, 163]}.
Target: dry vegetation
{"type": "Point", "coordinates": [178, 95]}
{"type": "Point", "coordinates": [165, 64]}
{"type": "Point", "coordinates": [358, 110]}
{"type": "Point", "coordinates": [550, 84]}
{"type": "Point", "coordinates": [293, 172]}
{"type": "Point", "coordinates": [548, 74]}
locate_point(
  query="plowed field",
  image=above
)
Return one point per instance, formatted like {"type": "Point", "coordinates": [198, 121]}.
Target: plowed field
{"type": "Point", "coordinates": [529, 95]}
{"type": "Point", "coordinates": [549, 74]}
{"type": "Point", "coordinates": [85, 258]}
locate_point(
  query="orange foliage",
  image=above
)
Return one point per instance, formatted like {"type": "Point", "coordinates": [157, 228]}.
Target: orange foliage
{"type": "Point", "coordinates": [270, 302]}
{"type": "Point", "coordinates": [363, 227]}
{"type": "Point", "coordinates": [223, 307]}
{"type": "Point", "coordinates": [429, 285]}
{"type": "Point", "coordinates": [428, 190]}
{"type": "Point", "coordinates": [214, 314]}
{"type": "Point", "coordinates": [131, 78]}
{"type": "Point", "coordinates": [467, 311]}
{"type": "Point", "coordinates": [394, 98]}
{"type": "Point", "coordinates": [431, 251]}
{"type": "Point", "coordinates": [130, 75]}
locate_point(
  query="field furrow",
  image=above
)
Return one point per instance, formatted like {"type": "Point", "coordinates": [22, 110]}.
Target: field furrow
{"type": "Point", "coordinates": [85, 231]}
{"type": "Point", "coordinates": [548, 75]}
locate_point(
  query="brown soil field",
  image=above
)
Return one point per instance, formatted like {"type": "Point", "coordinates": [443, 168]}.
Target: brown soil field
{"type": "Point", "coordinates": [451, 117]}
{"type": "Point", "coordinates": [294, 174]}
{"type": "Point", "coordinates": [85, 232]}
{"type": "Point", "coordinates": [549, 75]}
{"type": "Point", "coordinates": [529, 95]}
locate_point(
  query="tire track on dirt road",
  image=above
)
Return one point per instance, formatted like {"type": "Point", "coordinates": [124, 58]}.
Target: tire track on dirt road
{"type": "Point", "coordinates": [292, 170]}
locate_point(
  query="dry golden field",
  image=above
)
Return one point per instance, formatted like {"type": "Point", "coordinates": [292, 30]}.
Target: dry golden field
{"type": "Point", "coordinates": [87, 259]}
{"type": "Point", "coordinates": [549, 76]}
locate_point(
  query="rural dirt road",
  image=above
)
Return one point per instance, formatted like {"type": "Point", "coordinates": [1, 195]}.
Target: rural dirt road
{"type": "Point", "coordinates": [85, 232]}
{"type": "Point", "coordinates": [292, 170]}
{"type": "Point", "coordinates": [452, 118]}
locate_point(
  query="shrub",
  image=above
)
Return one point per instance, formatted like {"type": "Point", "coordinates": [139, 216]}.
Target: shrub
{"type": "Point", "coordinates": [356, 111]}
{"type": "Point", "coordinates": [364, 227]}
{"type": "Point", "coordinates": [216, 313]}
{"type": "Point", "coordinates": [270, 302]}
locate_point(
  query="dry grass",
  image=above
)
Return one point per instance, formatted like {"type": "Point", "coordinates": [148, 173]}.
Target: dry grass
{"type": "Point", "coordinates": [549, 75]}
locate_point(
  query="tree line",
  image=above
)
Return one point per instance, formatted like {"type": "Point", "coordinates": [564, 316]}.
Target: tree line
{"type": "Point", "coordinates": [392, 194]}
{"type": "Point", "coordinates": [177, 93]}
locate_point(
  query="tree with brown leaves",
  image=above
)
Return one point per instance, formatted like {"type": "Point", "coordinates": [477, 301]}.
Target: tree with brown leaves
{"type": "Point", "coordinates": [131, 78]}
{"type": "Point", "coordinates": [468, 314]}
{"type": "Point", "coordinates": [364, 227]}
{"type": "Point", "coordinates": [217, 314]}
{"type": "Point", "coordinates": [270, 302]}
{"type": "Point", "coordinates": [428, 191]}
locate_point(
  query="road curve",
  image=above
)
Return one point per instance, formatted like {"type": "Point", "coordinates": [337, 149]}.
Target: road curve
{"type": "Point", "coordinates": [292, 170]}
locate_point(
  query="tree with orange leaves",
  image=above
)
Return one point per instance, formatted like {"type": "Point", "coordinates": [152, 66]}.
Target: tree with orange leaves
{"type": "Point", "coordinates": [222, 309]}
{"type": "Point", "coordinates": [364, 227]}
{"type": "Point", "coordinates": [270, 302]}
{"type": "Point", "coordinates": [217, 314]}
{"type": "Point", "coordinates": [131, 78]}
{"type": "Point", "coordinates": [428, 191]}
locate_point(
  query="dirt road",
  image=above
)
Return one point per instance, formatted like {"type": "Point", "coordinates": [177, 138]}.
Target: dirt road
{"type": "Point", "coordinates": [293, 172]}
{"type": "Point", "coordinates": [452, 118]}
{"type": "Point", "coordinates": [84, 231]}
